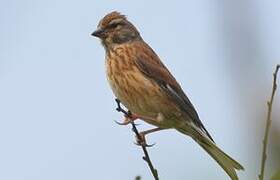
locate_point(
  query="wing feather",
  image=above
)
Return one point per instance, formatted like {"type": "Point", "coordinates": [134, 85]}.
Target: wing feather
{"type": "Point", "coordinates": [156, 71]}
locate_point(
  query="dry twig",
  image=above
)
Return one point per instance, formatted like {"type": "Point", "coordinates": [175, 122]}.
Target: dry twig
{"type": "Point", "coordinates": [268, 123]}
{"type": "Point", "coordinates": [146, 156]}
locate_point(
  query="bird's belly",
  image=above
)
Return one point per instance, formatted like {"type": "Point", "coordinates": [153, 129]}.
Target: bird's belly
{"type": "Point", "coordinates": [139, 94]}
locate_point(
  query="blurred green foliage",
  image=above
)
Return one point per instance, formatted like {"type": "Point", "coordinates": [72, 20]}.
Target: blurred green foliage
{"type": "Point", "coordinates": [276, 176]}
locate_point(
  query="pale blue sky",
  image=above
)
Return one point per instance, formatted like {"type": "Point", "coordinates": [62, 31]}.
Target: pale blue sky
{"type": "Point", "coordinates": [57, 110]}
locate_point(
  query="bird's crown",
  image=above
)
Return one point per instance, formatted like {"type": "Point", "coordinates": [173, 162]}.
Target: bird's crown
{"type": "Point", "coordinates": [113, 16]}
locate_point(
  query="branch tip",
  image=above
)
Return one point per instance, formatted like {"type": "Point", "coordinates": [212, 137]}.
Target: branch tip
{"type": "Point", "coordinates": [268, 123]}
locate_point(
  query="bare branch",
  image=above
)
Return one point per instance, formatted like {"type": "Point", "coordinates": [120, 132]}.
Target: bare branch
{"type": "Point", "coordinates": [146, 156]}
{"type": "Point", "coordinates": [268, 123]}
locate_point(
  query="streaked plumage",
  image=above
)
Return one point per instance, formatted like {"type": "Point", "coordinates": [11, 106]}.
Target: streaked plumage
{"type": "Point", "coordinates": [145, 86]}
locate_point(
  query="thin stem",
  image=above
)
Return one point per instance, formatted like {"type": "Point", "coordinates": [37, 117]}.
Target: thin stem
{"type": "Point", "coordinates": [268, 123]}
{"type": "Point", "coordinates": [146, 156]}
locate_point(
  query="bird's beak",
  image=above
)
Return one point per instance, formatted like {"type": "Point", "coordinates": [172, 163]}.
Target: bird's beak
{"type": "Point", "coordinates": [98, 33]}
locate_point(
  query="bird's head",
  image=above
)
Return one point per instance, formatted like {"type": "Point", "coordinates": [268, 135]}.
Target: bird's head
{"type": "Point", "coordinates": [115, 29]}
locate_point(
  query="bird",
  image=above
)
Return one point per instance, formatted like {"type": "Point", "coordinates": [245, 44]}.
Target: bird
{"type": "Point", "coordinates": [144, 85]}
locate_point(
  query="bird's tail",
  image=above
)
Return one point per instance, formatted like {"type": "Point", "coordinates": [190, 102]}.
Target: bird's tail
{"type": "Point", "coordinates": [225, 161]}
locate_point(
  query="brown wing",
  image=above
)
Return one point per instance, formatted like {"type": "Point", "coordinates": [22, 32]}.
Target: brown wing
{"type": "Point", "coordinates": [155, 70]}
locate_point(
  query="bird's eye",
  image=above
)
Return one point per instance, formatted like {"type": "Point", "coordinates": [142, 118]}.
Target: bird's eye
{"type": "Point", "coordinates": [114, 25]}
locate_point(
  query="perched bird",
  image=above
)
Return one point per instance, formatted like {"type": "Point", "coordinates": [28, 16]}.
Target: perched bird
{"type": "Point", "coordinates": [146, 87]}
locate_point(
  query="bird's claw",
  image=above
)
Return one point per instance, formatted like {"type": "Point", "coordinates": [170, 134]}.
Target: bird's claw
{"type": "Point", "coordinates": [122, 123]}
{"type": "Point", "coordinates": [141, 141]}
{"type": "Point", "coordinates": [126, 120]}
{"type": "Point", "coordinates": [144, 144]}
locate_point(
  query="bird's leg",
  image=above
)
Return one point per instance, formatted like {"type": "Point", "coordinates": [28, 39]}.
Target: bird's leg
{"type": "Point", "coordinates": [141, 139]}
{"type": "Point", "coordinates": [132, 117]}
{"type": "Point", "coordinates": [128, 116]}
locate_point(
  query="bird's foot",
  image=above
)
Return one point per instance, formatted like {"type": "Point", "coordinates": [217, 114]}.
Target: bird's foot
{"type": "Point", "coordinates": [141, 137]}
{"type": "Point", "coordinates": [141, 140]}
{"type": "Point", "coordinates": [128, 119]}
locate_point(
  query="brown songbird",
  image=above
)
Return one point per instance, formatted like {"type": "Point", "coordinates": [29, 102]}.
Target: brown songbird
{"type": "Point", "coordinates": [145, 86]}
